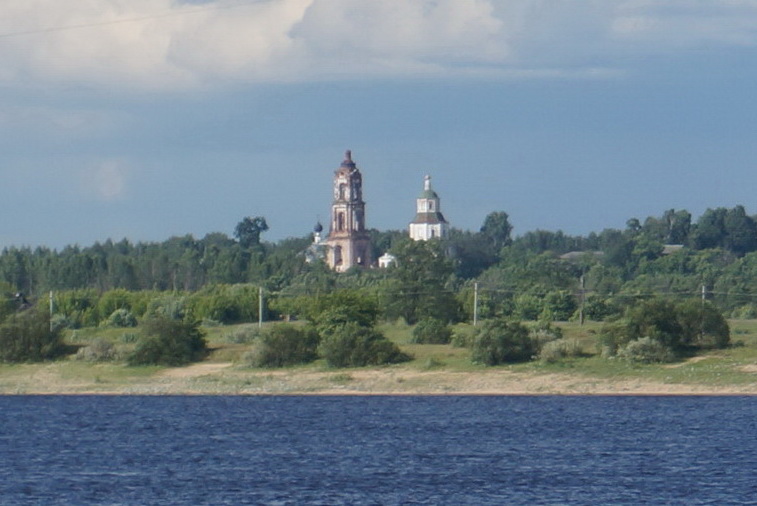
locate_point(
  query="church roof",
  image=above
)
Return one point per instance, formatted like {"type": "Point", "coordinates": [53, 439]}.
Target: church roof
{"type": "Point", "coordinates": [428, 194]}
{"type": "Point", "coordinates": [347, 162]}
{"type": "Point", "coordinates": [430, 218]}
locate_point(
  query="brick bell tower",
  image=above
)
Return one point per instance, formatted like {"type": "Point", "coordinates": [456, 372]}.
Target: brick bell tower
{"type": "Point", "coordinates": [348, 241]}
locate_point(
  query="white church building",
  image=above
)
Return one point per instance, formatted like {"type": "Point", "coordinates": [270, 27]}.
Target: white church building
{"type": "Point", "coordinates": [429, 222]}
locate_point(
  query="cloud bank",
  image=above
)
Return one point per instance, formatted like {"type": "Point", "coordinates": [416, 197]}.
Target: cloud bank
{"type": "Point", "coordinates": [166, 44]}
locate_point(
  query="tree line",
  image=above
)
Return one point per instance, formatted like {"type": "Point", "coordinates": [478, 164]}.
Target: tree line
{"type": "Point", "coordinates": [529, 276]}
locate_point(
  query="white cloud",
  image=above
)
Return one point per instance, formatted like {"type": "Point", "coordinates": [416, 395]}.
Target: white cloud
{"type": "Point", "coordinates": [106, 181]}
{"type": "Point", "coordinates": [677, 24]}
{"type": "Point", "coordinates": [156, 44]}
{"type": "Point", "coordinates": [59, 123]}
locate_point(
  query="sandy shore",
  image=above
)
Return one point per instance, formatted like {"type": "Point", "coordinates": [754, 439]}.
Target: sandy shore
{"type": "Point", "coordinates": [227, 379]}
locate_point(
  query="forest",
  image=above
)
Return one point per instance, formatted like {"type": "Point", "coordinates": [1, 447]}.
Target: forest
{"type": "Point", "coordinates": [537, 275]}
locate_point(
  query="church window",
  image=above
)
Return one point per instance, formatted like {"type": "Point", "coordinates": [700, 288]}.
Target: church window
{"type": "Point", "coordinates": [340, 222]}
{"type": "Point", "coordinates": [338, 255]}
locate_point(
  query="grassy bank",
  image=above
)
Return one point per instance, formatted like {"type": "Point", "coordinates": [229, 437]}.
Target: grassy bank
{"type": "Point", "coordinates": [435, 369]}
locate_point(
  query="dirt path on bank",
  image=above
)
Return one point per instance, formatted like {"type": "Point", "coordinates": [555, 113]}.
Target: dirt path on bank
{"type": "Point", "coordinates": [194, 370]}
{"type": "Point", "coordinates": [226, 378]}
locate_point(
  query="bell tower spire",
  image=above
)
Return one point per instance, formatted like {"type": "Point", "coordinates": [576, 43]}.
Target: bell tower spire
{"type": "Point", "coordinates": [348, 240]}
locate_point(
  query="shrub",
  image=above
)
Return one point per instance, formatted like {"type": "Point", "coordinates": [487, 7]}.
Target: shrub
{"type": "Point", "coordinates": [167, 306]}
{"type": "Point", "coordinates": [112, 300]}
{"type": "Point", "coordinates": [28, 337]}
{"type": "Point", "coordinates": [703, 325]}
{"type": "Point", "coordinates": [527, 307]}
{"type": "Point", "coordinates": [560, 349]}
{"type": "Point", "coordinates": [678, 327]}
{"type": "Point", "coordinates": [129, 337]}
{"type": "Point", "coordinates": [599, 308]}
{"type": "Point", "coordinates": [121, 318]}
{"type": "Point", "coordinates": [646, 351]}
{"type": "Point", "coordinates": [284, 345]}
{"type": "Point", "coordinates": [747, 312]}
{"type": "Point", "coordinates": [543, 332]}
{"type": "Point", "coordinates": [461, 339]}
{"type": "Point", "coordinates": [100, 350]}
{"type": "Point", "coordinates": [244, 335]}
{"type": "Point", "coordinates": [351, 345]}
{"type": "Point", "coordinates": [336, 309]}
{"type": "Point", "coordinates": [613, 336]}
{"type": "Point", "coordinates": [431, 331]}
{"type": "Point", "coordinates": [560, 305]}
{"type": "Point", "coordinates": [60, 321]}
{"type": "Point", "coordinates": [166, 341]}
{"type": "Point", "coordinates": [500, 341]}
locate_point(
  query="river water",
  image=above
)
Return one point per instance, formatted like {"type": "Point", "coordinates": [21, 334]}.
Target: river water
{"type": "Point", "coordinates": [378, 450]}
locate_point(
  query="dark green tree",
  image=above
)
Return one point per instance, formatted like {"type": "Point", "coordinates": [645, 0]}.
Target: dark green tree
{"type": "Point", "coordinates": [500, 341]}
{"type": "Point", "coordinates": [284, 345]}
{"type": "Point", "coordinates": [710, 229]}
{"type": "Point", "coordinates": [249, 229]}
{"type": "Point", "coordinates": [432, 331]}
{"type": "Point", "coordinates": [416, 287]}
{"type": "Point", "coordinates": [167, 341]}
{"type": "Point", "coordinates": [497, 229]}
{"type": "Point", "coordinates": [471, 253]}
{"type": "Point", "coordinates": [27, 337]}
{"type": "Point", "coordinates": [351, 345]}
{"type": "Point", "coordinates": [740, 231]}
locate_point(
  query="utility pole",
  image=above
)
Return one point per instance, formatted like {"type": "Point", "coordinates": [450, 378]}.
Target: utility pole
{"type": "Point", "coordinates": [475, 303]}
{"type": "Point", "coordinates": [260, 307]}
{"type": "Point", "coordinates": [701, 322]}
{"type": "Point", "coordinates": [51, 310]}
{"type": "Point", "coordinates": [583, 300]}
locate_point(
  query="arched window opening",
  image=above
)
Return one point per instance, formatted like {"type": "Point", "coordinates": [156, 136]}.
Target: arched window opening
{"type": "Point", "coordinates": [340, 222]}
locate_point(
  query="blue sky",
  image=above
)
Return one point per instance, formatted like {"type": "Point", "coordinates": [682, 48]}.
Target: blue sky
{"type": "Point", "coordinates": [146, 119]}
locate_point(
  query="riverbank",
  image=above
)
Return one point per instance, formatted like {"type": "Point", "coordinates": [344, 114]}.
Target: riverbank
{"type": "Point", "coordinates": [213, 378]}
{"type": "Point", "coordinates": [435, 370]}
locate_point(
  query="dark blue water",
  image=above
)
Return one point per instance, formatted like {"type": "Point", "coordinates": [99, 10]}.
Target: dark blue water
{"type": "Point", "coordinates": [378, 450]}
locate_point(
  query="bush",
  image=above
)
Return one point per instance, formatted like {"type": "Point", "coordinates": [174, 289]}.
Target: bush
{"type": "Point", "coordinates": [331, 311]}
{"type": "Point", "coordinates": [431, 331]}
{"type": "Point", "coordinates": [613, 336]}
{"type": "Point", "coordinates": [129, 337]}
{"type": "Point", "coordinates": [283, 345]}
{"type": "Point", "coordinates": [679, 327]}
{"type": "Point", "coordinates": [167, 306]}
{"type": "Point", "coordinates": [461, 339]}
{"type": "Point", "coordinates": [703, 325]}
{"type": "Point", "coordinates": [560, 349]}
{"type": "Point", "coordinates": [27, 337]}
{"type": "Point", "coordinates": [244, 335]}
{"type": "Point", "coordinates": [121, 318]}
{"type": "Point", "coordinates": [500, 341]}
{"type": "Point", "coordinates": [354, 346]}
{"type": "Point", "coordinates": [60, 321]}
{"type": "Point", "coordinates": [100, 350]}
{"type": "Point", "coordinates": [646, 351]}
{"type": "Point", "coordinates": [543, 332]}
{"type": "Point", "coordinates": [560, 305]}
{"type": "Point", "coordinates": [527, 307]}
{"type": "Point", "coordinates": [599, 308]}
{"type": "Point", "coordinates": [166, 341]}
{"type": "Point", "coordinates": [113, 300]}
